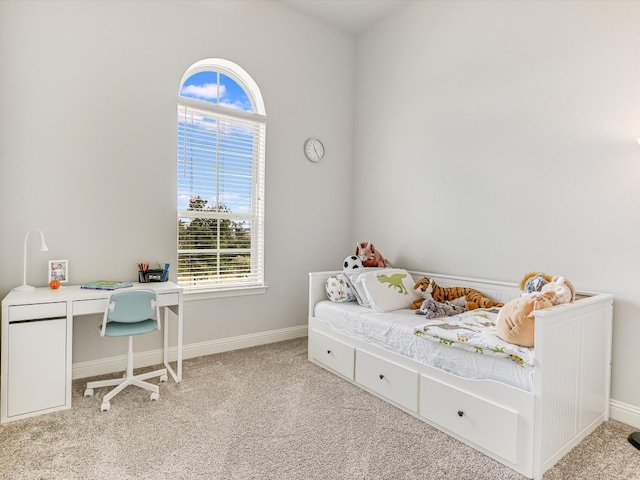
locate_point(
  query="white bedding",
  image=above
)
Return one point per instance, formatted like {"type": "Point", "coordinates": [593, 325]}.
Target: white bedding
{"type": "Point", "coordinates": [394, 331]}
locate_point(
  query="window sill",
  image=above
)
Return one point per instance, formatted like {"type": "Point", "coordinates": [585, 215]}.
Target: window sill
{"type": "Point", "coordinates": [205, 293]}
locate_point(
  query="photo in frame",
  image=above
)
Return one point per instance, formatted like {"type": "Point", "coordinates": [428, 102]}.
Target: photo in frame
{"type": "Point", "coordinates": [59, 270]}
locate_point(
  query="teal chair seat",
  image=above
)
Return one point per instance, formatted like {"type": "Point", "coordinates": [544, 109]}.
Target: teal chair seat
{"type": "Point", "coordinates": [119, 329]}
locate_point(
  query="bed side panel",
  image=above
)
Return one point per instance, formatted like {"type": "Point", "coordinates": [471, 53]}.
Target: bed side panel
{"type": "Point", "coordinates": [572, 375]}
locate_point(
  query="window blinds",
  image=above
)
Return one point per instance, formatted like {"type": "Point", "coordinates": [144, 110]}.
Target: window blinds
{"type": "Point", "coordinates": [220, 196]}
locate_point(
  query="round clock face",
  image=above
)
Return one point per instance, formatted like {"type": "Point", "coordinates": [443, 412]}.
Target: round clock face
{"type": "Point", "coordinates": [314, 149]}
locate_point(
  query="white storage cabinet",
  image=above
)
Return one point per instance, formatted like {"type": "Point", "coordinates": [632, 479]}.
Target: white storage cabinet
{"type": "Point", "coordinates": [35, 359]}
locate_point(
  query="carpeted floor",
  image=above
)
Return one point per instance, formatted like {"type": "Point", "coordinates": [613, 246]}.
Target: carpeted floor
{"type": "Point", "coordinates": [266, 413]}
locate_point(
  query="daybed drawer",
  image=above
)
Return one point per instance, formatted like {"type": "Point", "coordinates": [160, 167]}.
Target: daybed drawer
{"type": "Point", "coordinates": [395, 382]}
{"type": "Point", "coordinates": [486, 424]}
{"type": "Point", "coordinates": [334, 354]}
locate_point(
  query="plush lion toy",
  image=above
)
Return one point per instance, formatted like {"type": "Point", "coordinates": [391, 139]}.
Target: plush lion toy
{"type": "Point", "coordinates": [534, 281]}
{"type": "Point", "coordinates": [369, 256]}
{"type": "Point", "coordinates": [460, 296]}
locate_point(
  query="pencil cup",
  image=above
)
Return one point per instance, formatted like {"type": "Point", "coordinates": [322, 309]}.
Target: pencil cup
{"type": "Point", "coordinates": [151, 276]}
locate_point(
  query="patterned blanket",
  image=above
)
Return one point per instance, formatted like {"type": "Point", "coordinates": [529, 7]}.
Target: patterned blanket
{"type": "Point", "coordinates": [474, 330]}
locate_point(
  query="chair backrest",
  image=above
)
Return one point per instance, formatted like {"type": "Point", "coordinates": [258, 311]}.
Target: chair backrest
{"type": "Point", "coordinates": [132, 306]}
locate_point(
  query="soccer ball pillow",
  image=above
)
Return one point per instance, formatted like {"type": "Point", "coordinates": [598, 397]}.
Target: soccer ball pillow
{"type": "Point", "coordinates": [351, 263]}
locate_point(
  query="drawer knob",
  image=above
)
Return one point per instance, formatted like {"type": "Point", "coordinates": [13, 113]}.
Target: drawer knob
{"type": "Point", "coordinates": [460, 413]}
{"type": "Point", "coordinates": [381, 377]}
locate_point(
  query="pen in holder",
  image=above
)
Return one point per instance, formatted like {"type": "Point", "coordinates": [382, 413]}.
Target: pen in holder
{"type": "Point", "coordinates": [146, 275]}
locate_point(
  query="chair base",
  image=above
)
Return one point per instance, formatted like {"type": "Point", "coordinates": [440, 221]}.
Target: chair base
{"type": "Point", "coordinates": [128, 379]}
{"type": "Point", "coordinates": [122, 383]}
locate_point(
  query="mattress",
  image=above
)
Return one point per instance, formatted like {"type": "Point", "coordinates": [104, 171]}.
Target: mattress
{"type": "Point", "coordinates": [396, 331]}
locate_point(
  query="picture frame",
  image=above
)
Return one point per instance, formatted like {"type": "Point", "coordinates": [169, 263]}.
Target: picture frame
{"type": "Point", "coordinates": [59, 270]}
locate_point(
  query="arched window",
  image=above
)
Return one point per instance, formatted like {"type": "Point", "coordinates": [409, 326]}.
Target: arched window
{"type": "Point", "coordinates": [221, 157]}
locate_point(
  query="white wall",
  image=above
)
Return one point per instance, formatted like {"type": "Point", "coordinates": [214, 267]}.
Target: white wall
{"type": "Point", "coordinates": [506, 129]}
{"type": "Point", "coordinates": [497, 138]}
{"type": "Point", "coordinates": [88, 96]}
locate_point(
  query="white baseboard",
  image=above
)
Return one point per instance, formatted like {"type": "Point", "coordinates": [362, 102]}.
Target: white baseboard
{"type": "Point", "coordinates": [625, 413]}
{"type": "Point", "coordinates": [154, 357]}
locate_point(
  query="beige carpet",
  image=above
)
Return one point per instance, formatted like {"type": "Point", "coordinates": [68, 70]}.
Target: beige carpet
{"type": "Point", "coordinates": [266, 413]}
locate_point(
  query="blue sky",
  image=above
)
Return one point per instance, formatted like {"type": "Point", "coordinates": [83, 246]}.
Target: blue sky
{"type": "Point", "coordinates": [204, 86]}
{"type": "Point", "coordinates": [232, 165]}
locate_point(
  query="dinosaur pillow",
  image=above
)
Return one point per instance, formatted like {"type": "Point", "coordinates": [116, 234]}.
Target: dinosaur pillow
{"type": "Point", "coordinates": [389, 289]}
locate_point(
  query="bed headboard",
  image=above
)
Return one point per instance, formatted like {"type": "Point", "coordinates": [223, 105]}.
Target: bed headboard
{"type": "Point", "coordinates": [495, 290]}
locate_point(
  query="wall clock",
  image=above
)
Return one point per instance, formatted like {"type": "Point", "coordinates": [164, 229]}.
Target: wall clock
{"type": "Point", "coordinates": [313, 150]}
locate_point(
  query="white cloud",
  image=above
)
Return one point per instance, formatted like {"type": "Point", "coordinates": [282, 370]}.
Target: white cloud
{"type": "Point", "coordinates": [207, 90]}
{"type": "Point", "coordinates": [240, 105]}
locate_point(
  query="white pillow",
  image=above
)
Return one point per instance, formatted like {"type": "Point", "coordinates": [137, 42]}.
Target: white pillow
{"type": "Point", "coordinates": [355, 278]}
{"type": "Point", "coordinates": [389, 289]}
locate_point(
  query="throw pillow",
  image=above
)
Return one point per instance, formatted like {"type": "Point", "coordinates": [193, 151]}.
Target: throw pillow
{"type": "Point", "coordinates": [355, 279]}
{"type": "Point", "coordinates": [389, 289]}
{"type": "Point", "coordinates": [338, 289]}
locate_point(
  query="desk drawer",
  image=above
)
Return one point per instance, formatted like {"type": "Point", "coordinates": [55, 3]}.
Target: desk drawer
{"type": "Point", "coordinates": [37, 310]}
{"type": "Point", "coordinates": [486, 424]}
{"type": "Point", "coordinates": [87, 307]}
{"type": "Point", "coordinates": [167, 299]}
{"type": "Point", "coordinates": [393, 381]}
{"type": "Point", "coordinates": [334, 354]}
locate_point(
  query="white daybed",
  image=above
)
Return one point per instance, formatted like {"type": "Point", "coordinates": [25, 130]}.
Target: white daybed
{"type": "Point", "coordinates": [526, 430]}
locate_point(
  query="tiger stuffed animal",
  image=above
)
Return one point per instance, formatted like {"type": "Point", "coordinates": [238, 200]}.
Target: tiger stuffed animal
{"type": "Point", "coordinates": [461, 296]}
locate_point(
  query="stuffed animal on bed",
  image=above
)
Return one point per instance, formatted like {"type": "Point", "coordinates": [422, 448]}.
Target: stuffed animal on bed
{"type": "Point", "coordinates": [469, 298]}
{"type": "Point", "coordinates": [369, 256]}
{"type": "Point", "coordinates": [563, 289]}
{"type": "Point", "coordinates": [533, 282]}
{"type": "Point", "coordinates": [432, 309]}
{"type": "Point", "coordinates": [516, 321]}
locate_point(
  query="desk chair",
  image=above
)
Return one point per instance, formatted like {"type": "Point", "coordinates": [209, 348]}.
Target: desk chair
{"type": "Point", "coordinates": [129, 313]}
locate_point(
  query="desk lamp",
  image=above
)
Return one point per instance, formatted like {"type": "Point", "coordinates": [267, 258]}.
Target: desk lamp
{"type": "Point", "coordinates": [43, 248]}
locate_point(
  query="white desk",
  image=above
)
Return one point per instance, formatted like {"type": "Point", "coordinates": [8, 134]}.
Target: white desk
{"type": "Point", "coordinates": [37, 329]}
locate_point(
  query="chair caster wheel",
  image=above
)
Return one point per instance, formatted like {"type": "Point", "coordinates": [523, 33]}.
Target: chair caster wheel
{"type": "Point", "coordinates": [164, 378]}
{"type": "Point", "coordinates": [88, 392]}
{"type": "Point", "coordinates": [155, 396]}
{"type": "Point", "coordinates": [105, 406]}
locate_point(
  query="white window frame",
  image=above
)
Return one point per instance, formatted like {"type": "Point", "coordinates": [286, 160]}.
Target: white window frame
{"type": "Point", "coordinates": [257, 118]}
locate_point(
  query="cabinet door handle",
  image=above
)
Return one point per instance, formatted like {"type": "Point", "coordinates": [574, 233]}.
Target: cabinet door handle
{"type": "Point", "coordinates": [460, 413]}
{"type": "Point", "coordinates": [381, 377]}
{"type": "Point", "coordinates": [328, 352]}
